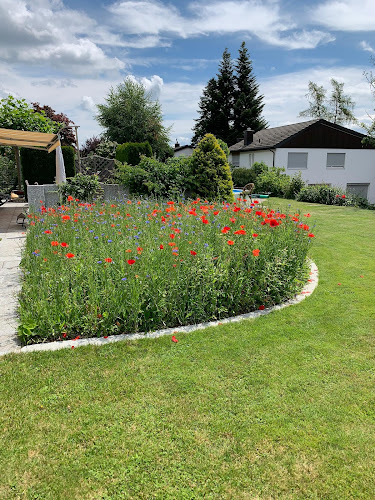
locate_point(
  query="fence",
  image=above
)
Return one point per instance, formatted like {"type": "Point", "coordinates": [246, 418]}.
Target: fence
{"type": "Point", "coordinates": [102, 167]}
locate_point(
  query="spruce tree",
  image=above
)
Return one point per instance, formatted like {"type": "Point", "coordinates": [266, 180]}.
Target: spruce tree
{"type": "Point", "coordinates": [208, 106]}
{"type": "Point", "coordinates": [248, 103]}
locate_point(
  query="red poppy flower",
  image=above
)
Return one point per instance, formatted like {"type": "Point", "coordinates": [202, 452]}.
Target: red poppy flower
{"type": "Point", "coordinates": [255, 235]}
{"type": "Point", "coordinates": [171, 236]}
{"type": "Point", "coordinates": [131, 262]}
{"type": "Point", "coordinates": [48, 232]}
{"type": "Point", "coordinates": [174, 339]}
{"type": "Point", "coordinates": [70, 198]}
{"type": "Point", "coordinates": [55, 243]}
{"type": "Point", "coordinates": [225, 229]}
{"type": "Point", "coordinates": [64, 335]}
{"type": "Point", "coordinates": [192, 252]}
{"type": "Point", "coordinates": [311, 235]}
{"type": "Point", "coordinates": [343, 196]}
{"type": "Point", "coordinates": [261, 307]}
{"type": "Point", "coordinates": [108, 259]}
{"type": "Point", "coordinates": [307, 215]}
{"type": "Point", "coordinates": [216, 212]}
{"type": "Point", "coordinates": [256, 252]}
{"type": "Point", "coordinates": [70, 255]}
{"type": "Point", "coordinates": [274, 223]}
{"type": "Point", "coordinates": [232, 219]}
{"type": "Point", "coordinates": [230, 242]}
{"type": "Point", "coordinates": [65, 217]}
{"type": "Point", "coordinates": [170, 202]}
{"type": "Point", "coordinates": [240, 231]}
{"type": "Point", "coordinates": [64, 245]}
{"type": "Point", "coordinates": [161, 247]}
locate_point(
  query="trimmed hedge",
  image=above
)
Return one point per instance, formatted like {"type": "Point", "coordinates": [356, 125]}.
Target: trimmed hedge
{"type": "Point", "coordinates": [130, 152]}
{"type": "Point", "coordinates": [242, 176]}
{"type": "Point", "coordinates": [40, 166]}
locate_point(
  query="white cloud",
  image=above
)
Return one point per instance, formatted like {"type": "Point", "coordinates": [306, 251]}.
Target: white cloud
{"type": "Point", "coordinates": [345, 15]}
{"type": "Point", "coordinates": [265, 20]}
{"type": "Point", "coordinates": [367, 47]}
{"type": "Point", "coordinates": [47, 32]}
{"type": "Point", "coordinates": [88, 104]}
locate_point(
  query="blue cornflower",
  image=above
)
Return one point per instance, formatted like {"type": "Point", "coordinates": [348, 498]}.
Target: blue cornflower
{"type": "Point", "coordinates": [109, 241]}
{"type": "Point", "coordinates": [124, 279]}
{"type": "Point", "coordinates": [99, 261]}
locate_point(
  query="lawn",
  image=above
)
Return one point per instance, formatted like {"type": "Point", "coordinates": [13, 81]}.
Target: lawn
{"type": "Point", "coordinates": [278, 407]}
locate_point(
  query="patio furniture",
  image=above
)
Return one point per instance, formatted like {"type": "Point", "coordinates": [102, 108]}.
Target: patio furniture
{"type": "Point", "coordinates": [4, 198]}
{"type": "Point", "coordinates": [21, 219]}
{"type": "Point", "coordinates": [248, 190]}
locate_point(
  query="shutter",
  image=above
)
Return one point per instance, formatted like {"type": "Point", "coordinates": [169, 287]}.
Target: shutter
{"type": "Point", "coordinates": [297, 160]}
{"type": "Point", "coordinates": [336, 160]}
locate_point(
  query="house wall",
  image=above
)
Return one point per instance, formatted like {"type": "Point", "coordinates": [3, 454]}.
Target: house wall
{"type": "Point", "coordinates": [184, 152]}
{"type": "Point", "coordinates": [247, 158]}
{"type": "Point", "coordinates": [359, 167]}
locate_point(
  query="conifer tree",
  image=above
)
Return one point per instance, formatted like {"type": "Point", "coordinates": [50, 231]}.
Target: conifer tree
{"type": "Point", "coordinates": [208, 106]}
{"type": "Point", "coordinates": [248, 103]}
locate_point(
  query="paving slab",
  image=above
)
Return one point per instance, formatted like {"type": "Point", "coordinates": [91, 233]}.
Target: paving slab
{"type": "Point", "coordinates": [12, 239]}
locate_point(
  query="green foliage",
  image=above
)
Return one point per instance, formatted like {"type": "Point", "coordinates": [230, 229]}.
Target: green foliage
{"type": "Point", "coordinates": [230, 103]}
{"type": "Point", "coordinates": [331, 195]}
{"type": "Point", "coordinates": [85, 188]}
{"type": "Point", "coordinates": [151, 177]}
{"type": "Point", "coordinates": [120, 274]}
{"type": "Point", "coordinates": [40, 166]}
{"type": "Point", "coordinates": [337, 109]}
{"type": "Point", "coordinates": [211, 172]}
{"type": "Point", "coordinates": [224, 147]}
{"type": "Point", "coordinates": [242, 176]}
{"type": "Point", "coordinates": [130, 115]}
{"type": "Point", "coordinates": [106, 149]}
{"type": "Point", "coordinates": [16, 114]}
{"type": "Point", "coordinates": [295, 185]}
{"type": "Point", "coordinates": [8, 170]}
{"type": "Point", "coordinates": [131, 152]}
{"type": "Point", "coordinates": [273, 181]}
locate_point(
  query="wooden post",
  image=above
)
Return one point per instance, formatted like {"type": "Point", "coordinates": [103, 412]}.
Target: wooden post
{"type": "Point", "coordinates": [78, 154]}
{"type": "Point", "coordinates": [18, 162]}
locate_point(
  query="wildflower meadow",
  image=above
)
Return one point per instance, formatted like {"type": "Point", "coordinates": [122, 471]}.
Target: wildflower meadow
{"type": "Point", "coordinates": [138, 265]}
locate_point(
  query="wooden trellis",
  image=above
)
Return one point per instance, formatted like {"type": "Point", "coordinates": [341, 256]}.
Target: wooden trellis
{"type": "Point", "coordinates": [102, 167]}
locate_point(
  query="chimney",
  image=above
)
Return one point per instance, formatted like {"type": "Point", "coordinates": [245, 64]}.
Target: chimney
{"type": "Point", "coordinates": [177, 145]}
{"type": "Point", "coordinates": [248, 137]}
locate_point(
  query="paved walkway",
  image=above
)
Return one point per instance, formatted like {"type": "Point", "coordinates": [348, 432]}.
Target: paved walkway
{"type": "Point", "coordinates": [12, 237]}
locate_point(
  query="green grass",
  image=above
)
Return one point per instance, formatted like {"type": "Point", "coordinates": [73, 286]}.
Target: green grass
{"type": "Point", "coordinates": [278, 407]}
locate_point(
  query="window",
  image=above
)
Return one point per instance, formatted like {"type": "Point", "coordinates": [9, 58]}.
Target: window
{"type": "Point", "coordinates": [297, 160]}
{"type": "Point", "coordinates": [236, 159]}
{"type": "Point", "coordinates": [335, 160]}
{"type": "Point", "coordinates": [251, 159]}
{"type": "Point", "coordinates": [358, 189]}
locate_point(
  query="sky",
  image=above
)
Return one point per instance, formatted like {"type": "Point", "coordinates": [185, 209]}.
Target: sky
{"type": "Point", "coordinates": [68, 53]}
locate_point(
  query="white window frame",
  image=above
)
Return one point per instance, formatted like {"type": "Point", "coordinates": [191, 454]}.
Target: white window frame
{"type": "Point", "coordinates": [237, 157]}
{"type": "Point", "coordinates": [251, 159]}
{"type": "Point", "coordinates": [335, 164]}
{"type": "Point", "coordinates": [300, 154]}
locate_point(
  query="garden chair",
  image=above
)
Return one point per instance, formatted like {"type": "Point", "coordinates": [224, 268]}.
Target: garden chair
{"type": "Point", "coordinates": [248, 190]}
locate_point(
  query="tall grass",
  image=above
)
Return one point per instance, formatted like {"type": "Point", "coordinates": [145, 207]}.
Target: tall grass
{"type": "Point", "coordinates": [138, 266]}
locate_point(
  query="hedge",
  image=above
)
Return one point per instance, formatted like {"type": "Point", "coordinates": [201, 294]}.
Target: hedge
{"type": "Point", "coordinates": [130, 152]}
{"type": "Point", "coordinates": [40, 166]}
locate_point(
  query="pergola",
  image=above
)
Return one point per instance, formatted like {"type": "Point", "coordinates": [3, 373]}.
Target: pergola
{"type": "Point", "coordinates": [25, 139]}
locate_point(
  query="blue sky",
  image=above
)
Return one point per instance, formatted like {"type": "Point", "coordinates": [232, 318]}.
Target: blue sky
{"type": "Point", "coordinates": [68, 53]}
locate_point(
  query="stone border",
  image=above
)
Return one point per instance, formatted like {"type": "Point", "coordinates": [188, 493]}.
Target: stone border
{"type": "Point", "coordinates": [66, 344]}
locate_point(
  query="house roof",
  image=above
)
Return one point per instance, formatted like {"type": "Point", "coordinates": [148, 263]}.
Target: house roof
{"type": "Point", "coordinates": [179, 148]}
{"type": "Point", "coordinates": [34, 140]}
{"type": "Point", "coordinates": [270, 138]}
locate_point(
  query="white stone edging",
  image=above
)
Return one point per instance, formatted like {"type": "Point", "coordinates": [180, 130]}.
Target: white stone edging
{"type": "Point", "coordinates": [68, 344]}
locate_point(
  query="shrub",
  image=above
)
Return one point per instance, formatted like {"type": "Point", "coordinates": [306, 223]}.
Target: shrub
{"type": "Point", "coordinates": [154, 178]}
{"type": "Point", "coordinates": [106, 149]}
{"type": "Point", "coordinates": [241, 176]}
{"type": "Point", "coordinates": [295, 185]}
{"type": "Point", "coordinates": [139, 266]}
{"type": "Point", "coordinates": [331, 195]}
{"type": "Point", "coordinates": [224, 147]}
{"type": "Point", "coordinates": [40, 166]}
{"type": "Point", "coordinates": [82, 187]}
{"type": "Point", "coordinates": [211, 172]}
{"type": "Point", "coordinates": [8, 170]}
{"type": "Point", "coordinates": [272, 181]}
{"type": "Point", "coordinates": [130, 152]}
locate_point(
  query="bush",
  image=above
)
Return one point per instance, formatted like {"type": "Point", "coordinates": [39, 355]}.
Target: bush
{"type": "Point", "coordinates": [224, 147]}
{"type": "Point", "coordinates": [295, 185]}
{"type": "Point", "coordinates": [82, 187]}
{"type": "Point", "coordinates": [272, 181]}
{"type": "Point", "coordinates": [154, 178]}
{"type": "Point", "coordinates": [241, 176]}
{"type": "Point", "coordinates": [130, 152]}
{"type": "Point", "coordinates": [40, 166]}
{"type": "Point", "coordinates": [106, 149]}
{"type": "Point", "coordinates": [330, 195]}
{"type": "Point", "coordinates": [211, 172]}
{"type": "Point", "coordinates": [8, 170]}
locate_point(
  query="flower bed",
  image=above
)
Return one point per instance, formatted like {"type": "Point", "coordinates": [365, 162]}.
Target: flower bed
{"type": "Point", "coordinates": [139, 266]}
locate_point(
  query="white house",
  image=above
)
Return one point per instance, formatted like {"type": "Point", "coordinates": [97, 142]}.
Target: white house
{"type": "Point", "coordinates": [324, 153]}
{"type": "Point", "coordinates": [186, 150]}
